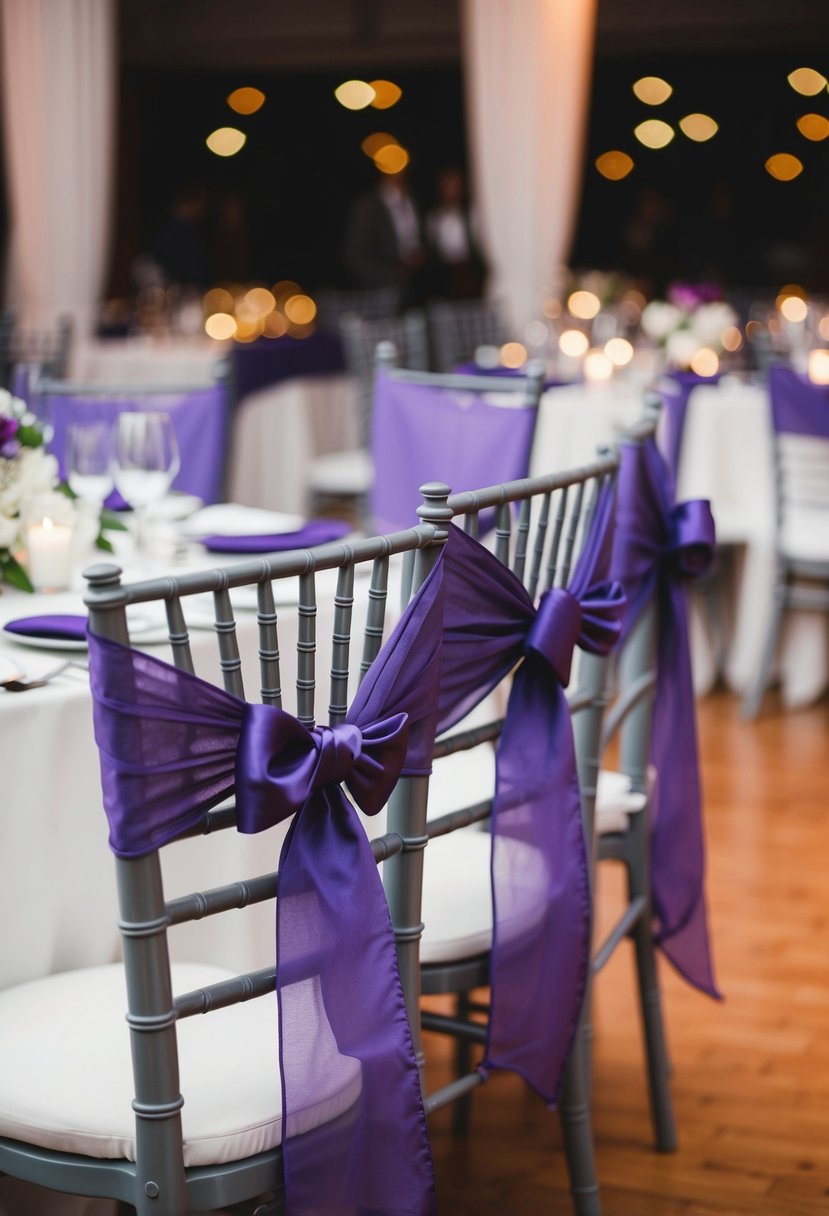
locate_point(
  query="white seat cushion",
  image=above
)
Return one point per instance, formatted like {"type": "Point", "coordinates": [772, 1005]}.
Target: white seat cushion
{"type": "Point", "coordinates": [350, 472]}
{"type": "Point", "coordinates": [457, 897]}
{"type": "Point", "coordinates": [66, 1080]}
{"type": "Point", "coordinates": [804, 534]}
{"type": "Point", "coordinates": [615, 801]}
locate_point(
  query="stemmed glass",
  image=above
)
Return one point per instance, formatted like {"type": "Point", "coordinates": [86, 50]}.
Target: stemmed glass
{"type": "Point", "coordinates": [88, 468]}
{"type": "Point", "coordinates": [144, 462]}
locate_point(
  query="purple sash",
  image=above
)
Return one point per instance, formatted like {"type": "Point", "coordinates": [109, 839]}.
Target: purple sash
{"type": "Point", "coordinates": [676, 390]}
{"type": "Point", "coordinates": [172, 746]}
{"type": "Point", "coordinates": [657, 547]}
{"type": "Point", "coordinates": [422, 433]}
{"type": "Point", "coordinates": [538, 978]}
{"type": "Point", "coordinates": [798, 407]}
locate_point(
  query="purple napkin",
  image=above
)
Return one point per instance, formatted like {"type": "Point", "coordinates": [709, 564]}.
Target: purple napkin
{"type": "Point", "coordinates": [65, 627]}
{"type": "Point", "coordinates": [316, 532]}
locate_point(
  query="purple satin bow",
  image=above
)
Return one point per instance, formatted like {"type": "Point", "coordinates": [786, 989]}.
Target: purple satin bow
{"type": "Point", "coordinates": [658, 547]}
{"type": "Point", "coordinates": [172, 746]}
{"type": "Point", "coordinates": [538, 977]}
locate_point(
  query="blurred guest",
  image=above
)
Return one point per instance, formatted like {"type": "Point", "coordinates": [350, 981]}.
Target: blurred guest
{"type": "Point", "coordinates": [456, 265]}
{"type": "Point", "coordinates": [383, 240]}
{"type": "Point", "coordinates": [180, 246]}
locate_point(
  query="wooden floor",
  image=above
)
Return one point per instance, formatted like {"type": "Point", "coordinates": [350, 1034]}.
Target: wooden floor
{"type": "Point", "coordinates": [751, 1079]}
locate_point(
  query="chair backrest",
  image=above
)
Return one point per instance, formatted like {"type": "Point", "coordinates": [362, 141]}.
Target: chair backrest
{"type": "Point", "coordinates": [167, 720]}
{"type": "Point", "coordinates": [459, 429]}
{"type": "Point", "coordinates": [800, 425]}
{"type": "Point", "coordinates": [200, 413]}
{"type": "Point", "coordinates": [458, 328]}
{"type": "Point", "coordinates": [360, 337]}
{"type": "Point", "coordinates": [27, 354]}
{"type": "Point", "coordinates": [372, 304]}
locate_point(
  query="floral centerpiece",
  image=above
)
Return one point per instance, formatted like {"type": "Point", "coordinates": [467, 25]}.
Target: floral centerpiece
{"type": "Point", "coordinates": [694, 318]}
{"type": "Point", "coordinates": [27, 469]}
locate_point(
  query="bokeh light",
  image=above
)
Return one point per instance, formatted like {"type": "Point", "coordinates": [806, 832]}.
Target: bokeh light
{"type": "Point", "coordinates": [391, 159]}
{"type": "Point", "coordinates": [793, 308]}
{"type": "Point", "coordinates": [386, 94]}
{"type": "Point", "coordinates": [784, 167]}
{"type": "Point", "coordinates": [818, 368]}
{"type": "Point", "coordinates": [372, 144]}
{"type": "Point", "coordinates": [584, 304]}
{"type": "Point", "coordinates": [284, 289]}
{"type": "Point", "coordinates": [513, 354]}
{"type": "Point", "coordinates": [654, 133]}
{"type": "Point", "coordinates": [652, 90]}
{"type": "Point", "coordinates": [536, 333]}
{"type": "Point", "coordinates": [619, 351]}
{"type": "Point", "coordinates": [275, 325]}
{"type": "Point", "coordinates": [731, 339]}
{"type": "Point", "coordinates": [226, 141]}
{"type": "Point", "coordinates": [221, 326]}
{"type": "Point", "coordinates": [597, 366]}
{"type": "Point", "coordinates": [246, 100]}
{"type": "Point", "coordinates": [262, 300]}
{"type": "Point", "coordinates": [218, 299]}
{"type": "Point", "coordinates": [807, 81]}
{"type": "Point", "coordinates": [823, 327]}
{"type": "Point", "coordinates": [705, 362]}
{"type": "Point", "coordinates": [698, 127]}
{"type": "Point", "coordinates": [354, 94]}
{"type": "Point", "coordinates": [614, 165]}
{"type": "Point", "coordinates": [300, 309]}
{"type": "Point", "coordinates": [573, 343]}
{"type": "Point", "coordinates": [813, 126]}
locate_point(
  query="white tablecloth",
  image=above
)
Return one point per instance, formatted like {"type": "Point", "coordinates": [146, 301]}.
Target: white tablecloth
{"type": "Point", "coordinates": [148, 360]}
{"type": "Point", "coordinates": [726, 457]}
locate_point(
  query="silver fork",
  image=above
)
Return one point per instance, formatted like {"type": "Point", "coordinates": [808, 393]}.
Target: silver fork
{"type": "Point", "coordinates": [23, 684]}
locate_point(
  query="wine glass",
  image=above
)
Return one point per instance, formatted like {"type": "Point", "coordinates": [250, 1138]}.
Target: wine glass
{"type": "Point", "coordinates": [88, 466]}
{"type": "Point", "coordinates": [144, 462]}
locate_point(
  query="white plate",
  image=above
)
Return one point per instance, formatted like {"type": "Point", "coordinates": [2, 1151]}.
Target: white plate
{"type": "Point", "coordinates": [175, 506]}
{"type": "Point", "coordinates": [231, 519]}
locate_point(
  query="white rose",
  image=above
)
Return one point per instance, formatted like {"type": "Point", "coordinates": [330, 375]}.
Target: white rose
{"type": "Point", "coordinates": [681, 347]}
{"type": "Point", "coordinates": [9, 529]}
{"type": "Point", "coordinates": [659, 318]}
{"type": "Point", "coordinates": [35, 471]}
{"type": "Point", "coordinates": [709, 320]}
{"type": "Point", "coordinates": [5, 403]}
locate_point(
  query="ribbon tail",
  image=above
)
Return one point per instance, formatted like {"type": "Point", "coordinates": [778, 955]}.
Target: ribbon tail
{"type": "Point", "coordinates": [541, 892]}
{"type": "Point", "coordinates": [344, 1032]}
{"type": "Point", "coordinates": [678, 848]}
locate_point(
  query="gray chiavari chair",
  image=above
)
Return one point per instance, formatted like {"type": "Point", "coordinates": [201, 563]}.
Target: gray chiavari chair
{"type": "Point", "coordinates": [542, 523]}
{"type": "Point", "coordinates": [98, 1125]}
{"type": "Point", "coordinates": [458, 327]}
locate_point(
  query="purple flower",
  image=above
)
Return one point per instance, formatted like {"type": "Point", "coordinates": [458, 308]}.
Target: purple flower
{"type": "Point", "coordinates": [8, 429]}
{"type": "Point", "coordinates": [10, 449]}
{"type": "Point", "coordinates": [689, 296]}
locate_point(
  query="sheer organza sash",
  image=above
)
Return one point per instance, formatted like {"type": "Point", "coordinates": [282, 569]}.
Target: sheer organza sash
{"type": "Point", "coordinates": [659, 546]}
{"type": "Point", "coordinates": [490, 625]}
{"type": "Point", "coordinates": [172, 746]}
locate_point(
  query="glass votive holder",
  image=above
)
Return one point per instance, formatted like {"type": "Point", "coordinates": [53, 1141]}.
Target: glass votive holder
{"type": "Point", "coordinates": [49, 526]}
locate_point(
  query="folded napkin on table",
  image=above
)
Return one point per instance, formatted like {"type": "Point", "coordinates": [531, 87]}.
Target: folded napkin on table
{"type": "Point", "coordinates": [315, 532]}
{"type": "Point", "coordinates": [64, 626]}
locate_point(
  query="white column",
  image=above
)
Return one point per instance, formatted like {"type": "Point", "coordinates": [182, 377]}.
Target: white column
{"type": "Point", "coordinates": [58, 64]}
{"type": "Point", "coordinates": [528, 68]}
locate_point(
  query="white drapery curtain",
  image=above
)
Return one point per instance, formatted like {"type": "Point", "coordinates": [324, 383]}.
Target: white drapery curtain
{"type": "Point", "coordinates": [58, 60]}
{"type": "Point", "coordinates": [527, 66]}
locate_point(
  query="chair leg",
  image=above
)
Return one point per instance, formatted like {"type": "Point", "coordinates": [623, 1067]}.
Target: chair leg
{"type": "Point", "coordinates": [754, 695]}
{"type": "Point", "coordinates": [577, 1133]}
{"type": "Point", "coordinates": [462, 1108]}
{"type": "Point", "coordinates": [653, 1027]}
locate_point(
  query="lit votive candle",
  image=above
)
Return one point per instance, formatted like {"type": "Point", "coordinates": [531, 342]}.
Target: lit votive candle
{"type": "Point", "coordinates": [49, 547]}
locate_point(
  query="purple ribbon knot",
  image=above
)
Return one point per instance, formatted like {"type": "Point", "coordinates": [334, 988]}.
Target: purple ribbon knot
{"type": "Point", "coordinates": [280, 763]}
{"type": "Point", "coordinates": [691, 538]}
{"type": "Point", "coordinates": [555, 631]}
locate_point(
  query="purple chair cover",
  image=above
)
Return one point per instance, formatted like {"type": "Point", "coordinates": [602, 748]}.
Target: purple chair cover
{"type": "Point", "coordinates": [422, 433]}
{"type": "Point", "coordinates": [798, 407]}
{"type": "Point", "coordinates": [200, 420]}
{"type": "Point", "coordinates": [537, 981]}
{"type": "Point", "coordinates": [475, 369]}
{"type": "Point", "coordinates": [657, 547]}
{"type": "Point", "coordinates": [172, 746]}
{"type": "Point", "coordinates": [270, 360]}
{"type": "Point", "coordinates": [675, 392]}
{"type": "Point", "coordinates": [315, 532]}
